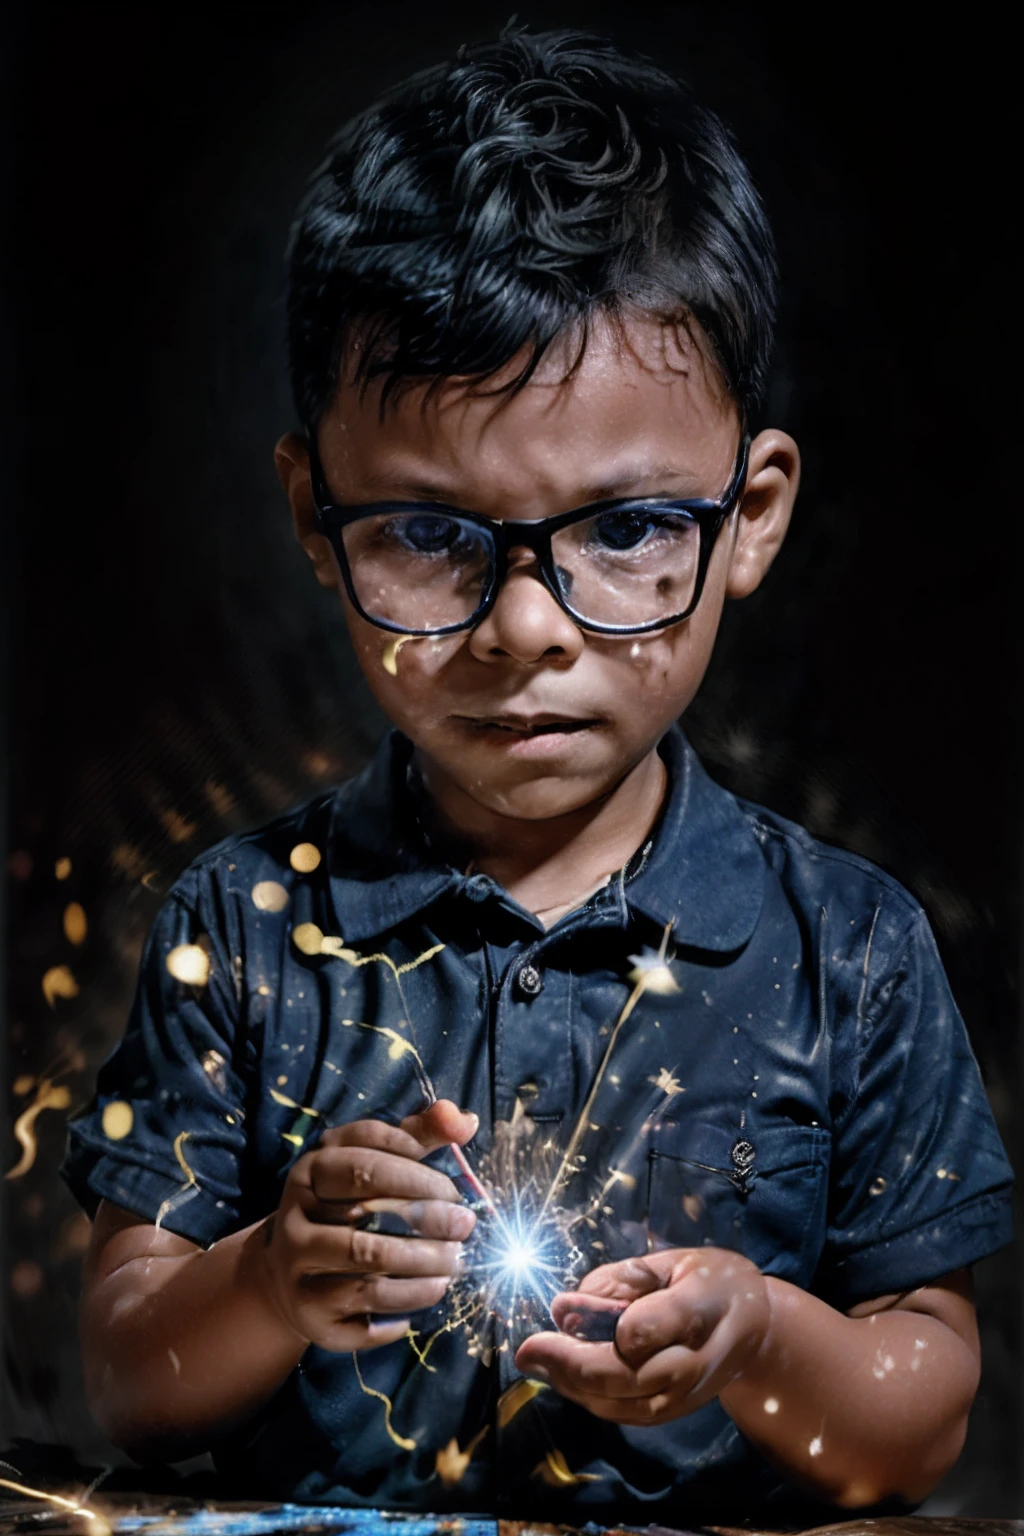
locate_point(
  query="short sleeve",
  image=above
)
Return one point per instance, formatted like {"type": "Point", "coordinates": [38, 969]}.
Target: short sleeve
{"type": "Point", "coordinates": [164, 1135]}
{"type": "Point", "coordinates": [920, 1184]}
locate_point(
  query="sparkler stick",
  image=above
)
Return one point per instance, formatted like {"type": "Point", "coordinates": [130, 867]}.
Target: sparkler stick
{"type": "Point", "coordinates": [470, 1177]}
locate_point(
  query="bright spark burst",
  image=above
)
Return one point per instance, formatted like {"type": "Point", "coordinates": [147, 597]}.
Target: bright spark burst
{"type": "Point", "coordinates": [522, 1252]}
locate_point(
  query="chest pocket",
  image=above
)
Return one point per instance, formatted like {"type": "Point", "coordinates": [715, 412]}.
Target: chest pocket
{"type": "Point", "coordinates": [763, 1194]}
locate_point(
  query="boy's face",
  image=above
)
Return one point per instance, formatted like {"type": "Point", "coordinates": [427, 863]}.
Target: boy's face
{"type": "Point", "coordinates": [644, 414]}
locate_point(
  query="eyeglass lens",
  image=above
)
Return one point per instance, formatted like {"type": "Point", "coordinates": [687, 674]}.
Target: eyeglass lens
{"type": "Point", "coordinates": [425, 571]}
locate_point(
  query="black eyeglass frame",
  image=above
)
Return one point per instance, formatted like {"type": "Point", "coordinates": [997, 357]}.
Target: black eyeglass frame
{"type": "Point", "coordinates": [505, 534]}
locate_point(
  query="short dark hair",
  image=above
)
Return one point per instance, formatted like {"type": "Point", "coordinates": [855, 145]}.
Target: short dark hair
{"type": "Point", "coordinates": [489, 204]}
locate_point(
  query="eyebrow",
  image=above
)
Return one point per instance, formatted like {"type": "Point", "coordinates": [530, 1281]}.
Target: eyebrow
{"type": "Point", "coordinates": [399, 488]}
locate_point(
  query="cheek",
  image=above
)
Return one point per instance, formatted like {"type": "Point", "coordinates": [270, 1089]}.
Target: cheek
{"type": "Point", "coordinates": [403, 671]}
{"type": "Point", "coordinates": [663, 669]}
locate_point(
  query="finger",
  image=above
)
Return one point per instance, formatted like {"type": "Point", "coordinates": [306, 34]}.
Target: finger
{"type": "Point", "coordinates": [335, 1249]}
{"type": "Point", "coordinates": [574, 1368]}
{"type": "Point", "coordinates": [582, 1371]}
{"type": "Point", "coordinates": [340, 1297]}
{"type": "Point", "coordinates": [415, 1218]}
{"type": "Point", "coordinates": [639, 1412]}
{"type": "Point", "coordinates": [687, 1313]}
{"type": "Point", "coordinates": [585, 1316]}
{"type": "Point", "coordinates": [356, 1333]}
{"type": "Point", "coordinates": [374, 1133]}
{"type": "Point", "coordinates": [440, 1124]}
{"type": "Point", "coordinates": [361, 1173]}
{"type": "Point", "coordinates": [628, 1279]}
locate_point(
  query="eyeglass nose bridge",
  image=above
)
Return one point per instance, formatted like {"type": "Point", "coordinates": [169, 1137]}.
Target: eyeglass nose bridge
{"type": "Point", "coordinates": [508, 536]}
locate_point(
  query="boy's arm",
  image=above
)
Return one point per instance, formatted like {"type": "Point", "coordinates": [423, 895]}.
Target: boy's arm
{"type": "Point", "coordinates": [181, 1344]}
{"type": "Point", "coordinates": [177, 1341]}
{"type": "Point", "coordinates": [857, 1406]}
{"type": "Point", "coordinates": [868, 1404]}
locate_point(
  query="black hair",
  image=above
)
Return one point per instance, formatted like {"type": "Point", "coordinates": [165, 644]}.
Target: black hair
{"type": "Point", "coordinates": [487, 205]}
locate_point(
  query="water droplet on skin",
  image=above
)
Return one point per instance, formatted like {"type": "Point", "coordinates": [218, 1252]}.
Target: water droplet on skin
{"type": "Point", "coordinates": [771, 1405]}
{"type": "Point", "coordinates": [816, 1447]}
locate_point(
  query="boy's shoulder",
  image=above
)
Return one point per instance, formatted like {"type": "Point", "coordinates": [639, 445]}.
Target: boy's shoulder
{"type": "Point", "coordinates": [825, 871]}
{"type": "Point", "coordinates": [723, 869]}
{"type": "Point", "coordinates": [351, 828]}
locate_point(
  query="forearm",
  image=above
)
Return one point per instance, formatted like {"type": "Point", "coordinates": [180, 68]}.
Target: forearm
{"type": "Point", "coordinates": [178, 1349]}
{"type": "Point", "coordinates": [858, 1409]}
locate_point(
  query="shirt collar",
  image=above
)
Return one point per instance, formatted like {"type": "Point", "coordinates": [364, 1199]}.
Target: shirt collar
{"type": "Point", "coordinates": [703, 873]}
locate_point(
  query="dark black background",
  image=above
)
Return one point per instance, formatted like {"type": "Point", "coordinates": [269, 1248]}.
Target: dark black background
{"type": "Point", "coordinates": [174, 671]}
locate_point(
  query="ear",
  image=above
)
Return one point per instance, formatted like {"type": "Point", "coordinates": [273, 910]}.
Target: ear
{"type": "Point", "coordinates": [291, 460]}
{"type": "Point", "coordinates": [762, 518]}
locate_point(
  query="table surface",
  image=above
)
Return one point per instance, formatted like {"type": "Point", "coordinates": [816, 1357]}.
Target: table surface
{"type": "Point", "coordinates": [152, 1515]}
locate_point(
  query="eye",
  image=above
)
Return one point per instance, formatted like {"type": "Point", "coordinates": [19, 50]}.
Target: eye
{"type": "Point", "coordinates": [425, 533]}
{"type": "Point", "coordinates": [622, 530]}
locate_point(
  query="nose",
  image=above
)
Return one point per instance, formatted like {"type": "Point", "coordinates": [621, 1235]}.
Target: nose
{"type": "Point", "coordinates": [526, 624]}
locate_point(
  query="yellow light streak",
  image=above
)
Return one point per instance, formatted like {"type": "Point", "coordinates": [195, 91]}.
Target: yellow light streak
{"type": "Point", "coordinates": [451, 1462]}
{"type": "Point", "coordinates": [389, 657]}
{"type": "Point", "coordinates": [56, 1499]}
{"type": "Point", "coordinates": [352, 958]}
{"type": "Point", "coordinates": [282, 1098]}
{"type": "Point", "coordinates": [48, 1096]}
{"type": "Point", "coordinates": [516, 1398]}
{"type": "Point", "coordinates": [644, 978]}
{"type": "Point", "coordinates": [191, 1182]}
{"type": "Point", "coordinates": [555, 1471]}
{"type": "Point", "coordinates": [400, 1440]}
{"type": "Point", "coordinates": [400, 1045]}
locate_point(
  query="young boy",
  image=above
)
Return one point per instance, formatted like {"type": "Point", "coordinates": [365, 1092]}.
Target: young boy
{"type": "Point", "coordinates": [530, 315]}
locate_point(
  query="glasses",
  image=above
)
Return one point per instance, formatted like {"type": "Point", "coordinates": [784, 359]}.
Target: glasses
{"type": "Point", "coordinates": [617, 567]}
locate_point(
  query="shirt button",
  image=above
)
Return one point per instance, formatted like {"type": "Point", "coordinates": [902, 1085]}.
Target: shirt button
{"type": "Point", "coordinates": [478, 887]}
{"type": "Point", "coordinates": [530, 981]}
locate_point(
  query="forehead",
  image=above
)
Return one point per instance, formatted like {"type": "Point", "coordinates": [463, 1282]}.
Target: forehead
{"type": "Point", "coordinates": [636, 397]}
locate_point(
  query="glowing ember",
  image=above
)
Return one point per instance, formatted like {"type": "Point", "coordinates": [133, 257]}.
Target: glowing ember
{"type": "Point", "coordinates": [189, 963]}
{"type": "Point", "coordinates": [307, 938]}
{"type": "Point", "coordinates": [59, 982]}
{"type": "Point", "coordinates": [75, 925]}
{"type": "Point", "coordinates": [269, 896]}
{"type": "Point", "coordinates": [304, 857]}
{"type": "Point", "coordinates": [118, 1119]}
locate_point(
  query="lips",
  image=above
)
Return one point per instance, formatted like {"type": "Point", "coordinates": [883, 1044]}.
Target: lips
{"type": "Point", "coordinates": [531, 725]}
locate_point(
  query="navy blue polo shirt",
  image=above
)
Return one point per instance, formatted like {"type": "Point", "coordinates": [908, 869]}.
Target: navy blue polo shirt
{"type": "Point", "coordinates": [806, 1094]}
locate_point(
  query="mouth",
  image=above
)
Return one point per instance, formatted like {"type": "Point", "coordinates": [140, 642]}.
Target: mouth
{"type": "Point", "coordinates": [527, 726]}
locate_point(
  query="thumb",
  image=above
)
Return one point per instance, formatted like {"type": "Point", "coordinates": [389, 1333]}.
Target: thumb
{"type": "Point", "coordinates": [441, 1123]}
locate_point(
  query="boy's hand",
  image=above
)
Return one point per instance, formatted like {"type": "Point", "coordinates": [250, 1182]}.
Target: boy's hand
{"type": "Point", "coordinates": [696, 1317]}
{"type": "Point", "coordinates": [329, 1276]}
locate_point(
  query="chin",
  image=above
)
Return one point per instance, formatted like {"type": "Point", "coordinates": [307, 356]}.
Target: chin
{"type": "Point", "coordinates": [540, 799]}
